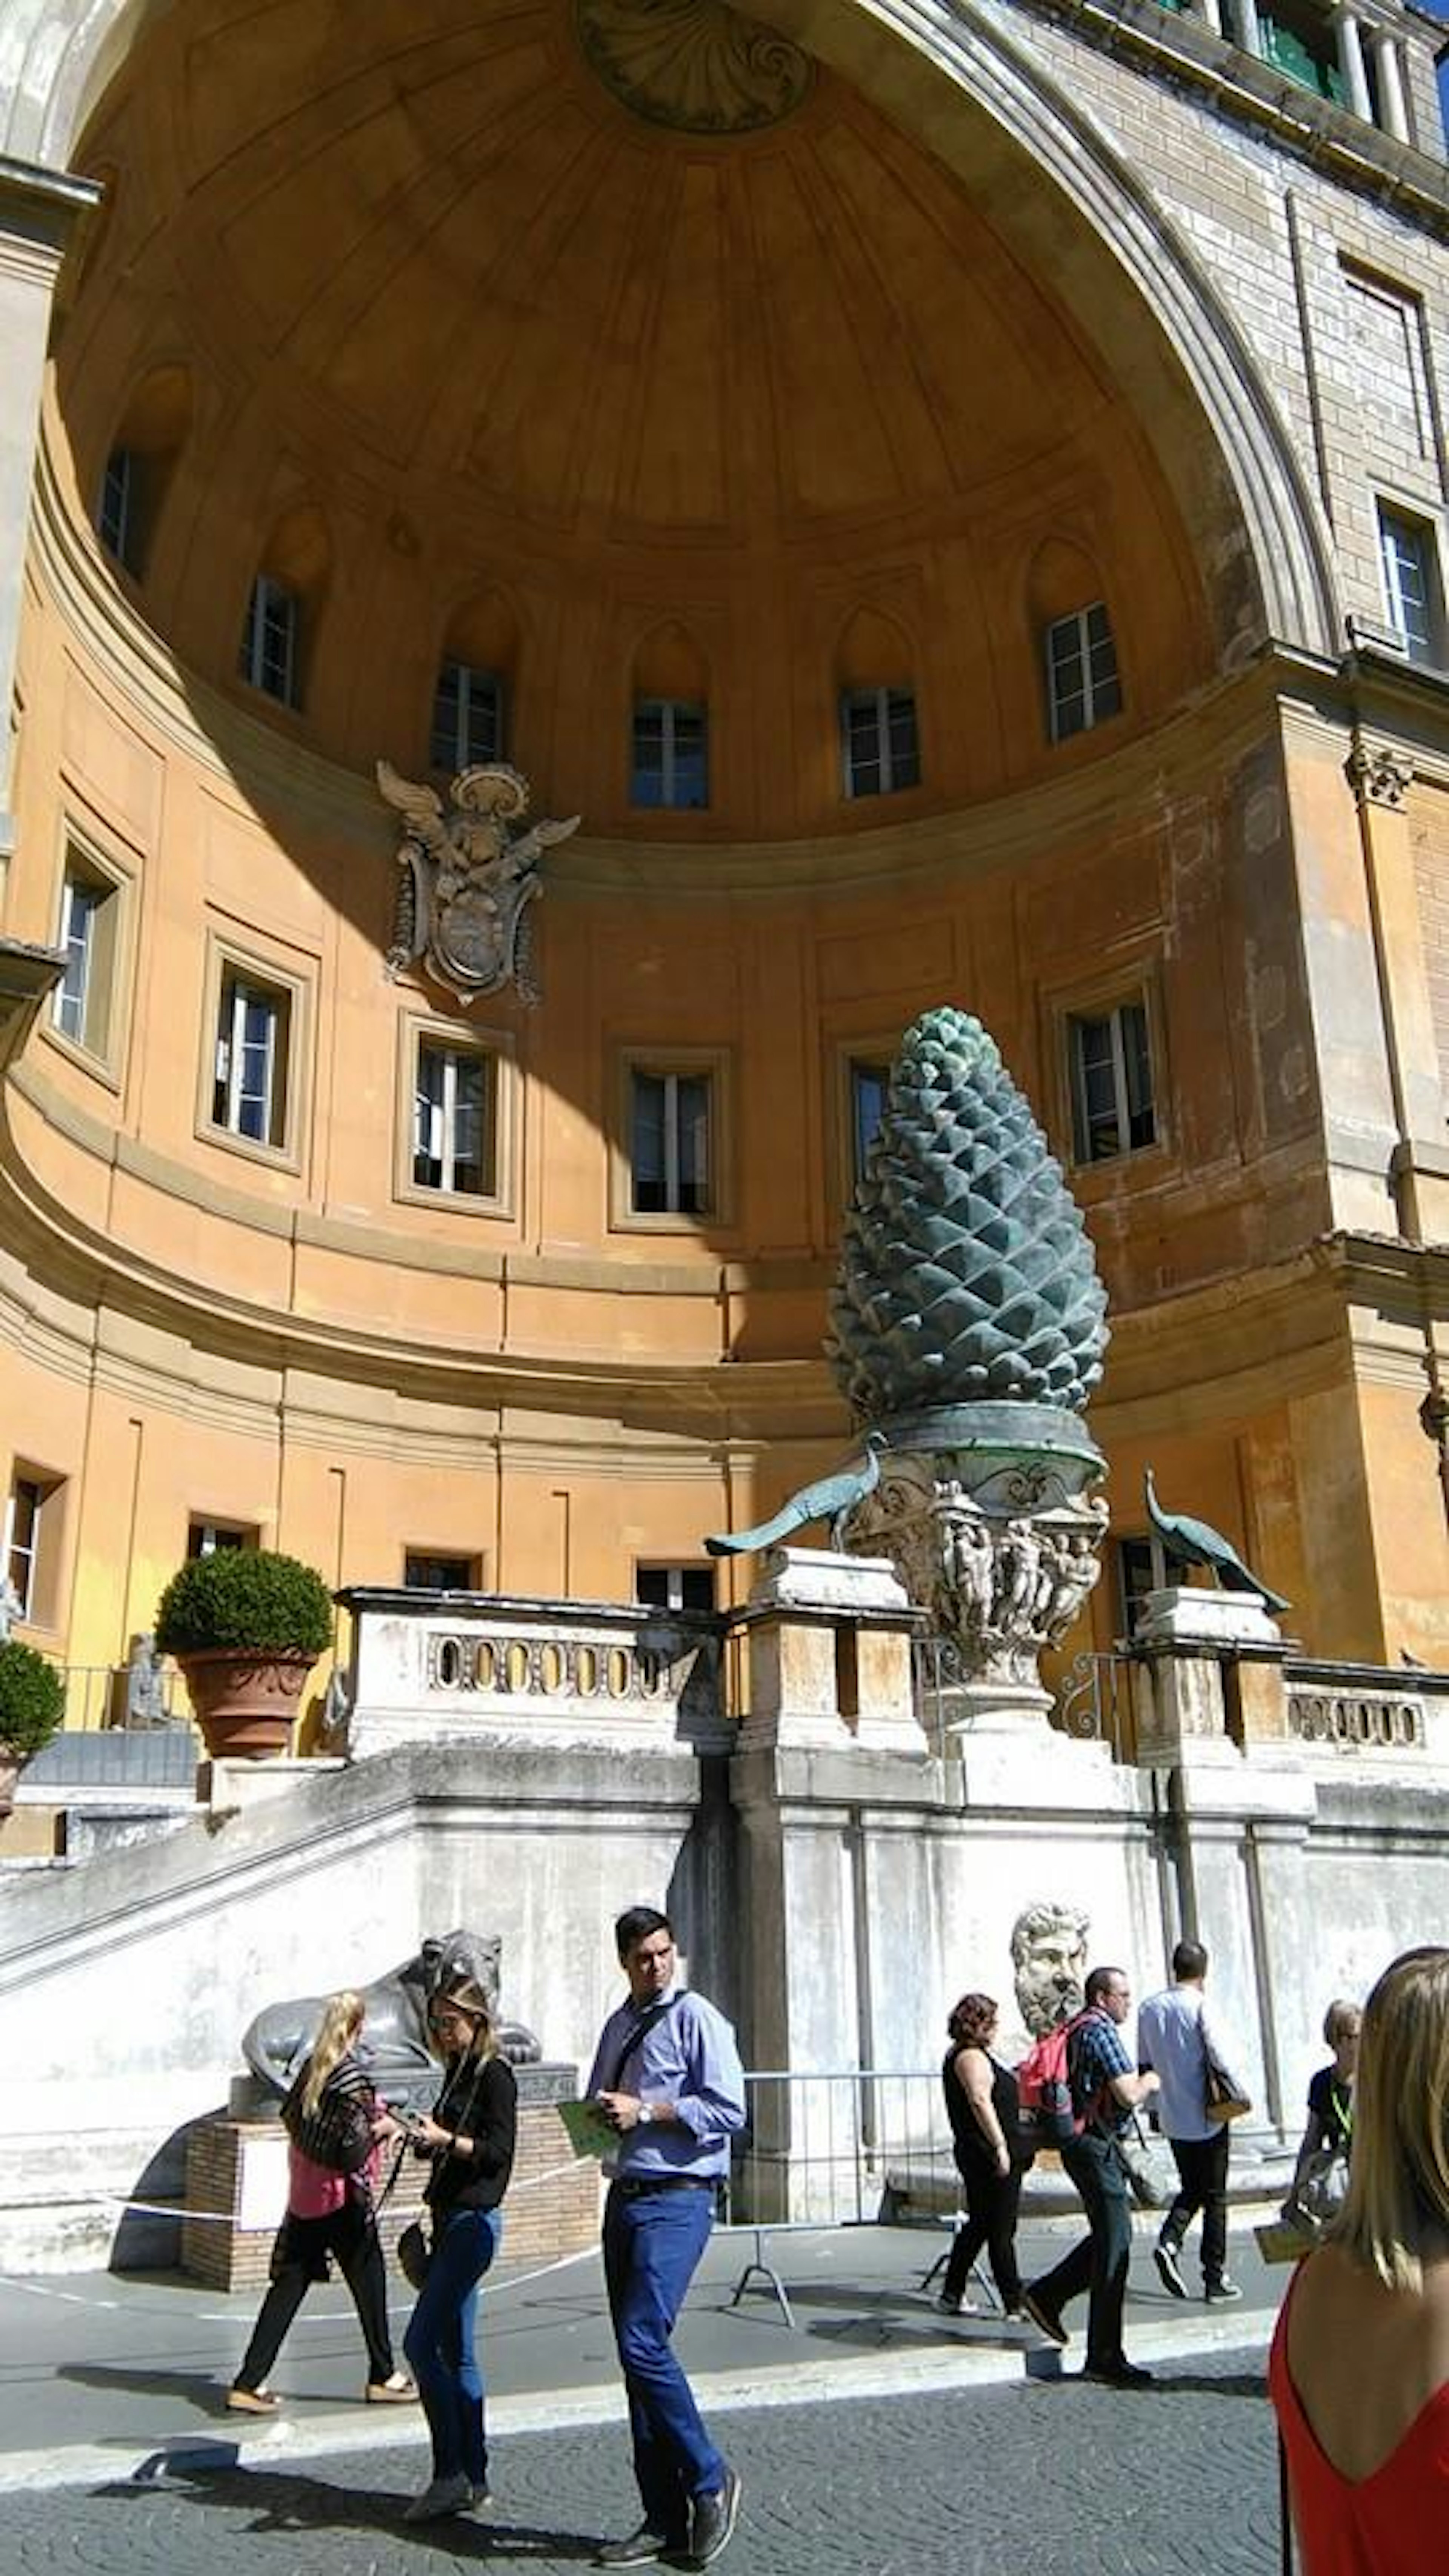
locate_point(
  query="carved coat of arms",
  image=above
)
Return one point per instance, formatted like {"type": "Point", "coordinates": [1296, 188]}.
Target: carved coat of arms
{"type": "Point", "coordinates": [467, 877]}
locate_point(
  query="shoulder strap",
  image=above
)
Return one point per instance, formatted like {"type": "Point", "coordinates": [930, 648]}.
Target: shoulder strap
{"type": "Point", "coordinates": [634, 2037]}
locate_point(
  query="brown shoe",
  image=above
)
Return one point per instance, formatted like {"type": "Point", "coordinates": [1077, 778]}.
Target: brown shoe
{"type": "Point", "coordinates": [397, 2391]}
{"type": "Point", "coordinates": [252, 2401]}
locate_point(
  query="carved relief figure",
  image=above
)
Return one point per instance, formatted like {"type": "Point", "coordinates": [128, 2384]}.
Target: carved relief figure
{"type": "Point", "coordinates": [467, 879]}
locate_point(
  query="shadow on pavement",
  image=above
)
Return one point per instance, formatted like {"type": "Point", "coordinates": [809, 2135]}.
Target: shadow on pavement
{"type": "Point", "coordinates": [199, 2387]}
{"type": "Point", "coordinates": [274, 2500]}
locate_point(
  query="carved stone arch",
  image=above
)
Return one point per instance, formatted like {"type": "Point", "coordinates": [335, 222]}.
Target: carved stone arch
{"type": "Point", "coordinates": [1194, 369]}
{"type": "Point", "coordinates": [670, 662]}
{"type": "Point", "coordinates": [1060, 575]}
{"type": "Point", "coordinates": [874, 650]}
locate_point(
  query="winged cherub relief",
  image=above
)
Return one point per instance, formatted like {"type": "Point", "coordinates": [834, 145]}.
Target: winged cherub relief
{"type": "Point", "coordinates": [466, 879]}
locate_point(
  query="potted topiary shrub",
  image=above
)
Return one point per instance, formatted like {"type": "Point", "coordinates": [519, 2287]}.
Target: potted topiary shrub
{"type": "Point", "coordinates": [32, 1704]}
{"type": "Point", "coordinates": [246, 1626]}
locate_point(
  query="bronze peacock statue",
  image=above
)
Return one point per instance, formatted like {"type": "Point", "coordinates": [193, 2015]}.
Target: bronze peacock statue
{"type": "Point", "coordinates": [1187, 1541]}
{"type": "Point", "coordinates": [829, 1498]}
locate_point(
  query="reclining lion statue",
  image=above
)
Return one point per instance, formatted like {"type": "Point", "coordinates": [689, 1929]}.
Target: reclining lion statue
{"type": "Point", "coordinates": [394, 2042]}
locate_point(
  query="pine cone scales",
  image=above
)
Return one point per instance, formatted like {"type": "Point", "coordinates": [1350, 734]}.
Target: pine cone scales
{"type": "Point", "coordinates": [966, 1273]}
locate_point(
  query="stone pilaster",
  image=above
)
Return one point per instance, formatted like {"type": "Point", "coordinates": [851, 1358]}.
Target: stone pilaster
{"type": "Point", "coordinates": [38, 211]}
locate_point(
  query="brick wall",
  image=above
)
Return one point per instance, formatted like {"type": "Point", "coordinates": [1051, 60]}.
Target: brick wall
{"type": "Point", "coordinates": [552, 2206]}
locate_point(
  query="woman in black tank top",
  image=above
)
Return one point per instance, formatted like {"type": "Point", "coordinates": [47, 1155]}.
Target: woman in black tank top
{"type": "Point", "coordinates": [982, 2105]}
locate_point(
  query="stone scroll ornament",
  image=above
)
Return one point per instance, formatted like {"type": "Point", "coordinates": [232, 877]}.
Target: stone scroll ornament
{"type": "Point", "coordinates": [467, 879]}
{"type": "Point", "coordinates": [968, 1327]}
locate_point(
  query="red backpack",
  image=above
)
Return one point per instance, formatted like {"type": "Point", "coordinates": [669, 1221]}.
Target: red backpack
{"type": "Point", "coordinates": [1043, 2083]}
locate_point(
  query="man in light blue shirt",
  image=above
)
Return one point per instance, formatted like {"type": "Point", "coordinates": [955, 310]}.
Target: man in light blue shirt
{"type": "Point", "coordinates": [667, 2077]}
{"type": "Point", "coordinates": [1176, 2038]}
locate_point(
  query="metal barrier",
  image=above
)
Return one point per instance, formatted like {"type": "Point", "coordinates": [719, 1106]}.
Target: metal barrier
{"type": "Point", "coordinates": [843, 2147]}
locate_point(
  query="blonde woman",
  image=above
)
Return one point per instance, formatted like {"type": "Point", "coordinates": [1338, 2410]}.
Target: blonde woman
{"type": "Point", "coordinates": [1359, 2372]}
{"type": "Point", "coordinates": [328, 2213]}
{"type": "Point", "coordinates": [470, 2141]}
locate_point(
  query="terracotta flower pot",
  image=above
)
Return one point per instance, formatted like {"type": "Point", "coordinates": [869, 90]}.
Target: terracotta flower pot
{"type": "Point", "coordinates": [244, 1704]}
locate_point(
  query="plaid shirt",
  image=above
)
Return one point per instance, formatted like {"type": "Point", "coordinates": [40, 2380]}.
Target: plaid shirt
{"type": "Point", "coordinates": [1094, 2055]}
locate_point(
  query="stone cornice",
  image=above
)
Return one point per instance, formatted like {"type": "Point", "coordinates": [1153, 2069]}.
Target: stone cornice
{"type": "Point", "coordinates": [1332, 138]}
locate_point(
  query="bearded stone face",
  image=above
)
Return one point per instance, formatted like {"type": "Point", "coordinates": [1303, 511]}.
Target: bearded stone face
{"type": "Point", "coordinates": [1049, 1954]}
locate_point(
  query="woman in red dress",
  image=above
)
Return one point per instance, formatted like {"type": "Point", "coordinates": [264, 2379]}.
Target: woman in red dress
{"type": "Point", "coordinates": [1359, 2373]}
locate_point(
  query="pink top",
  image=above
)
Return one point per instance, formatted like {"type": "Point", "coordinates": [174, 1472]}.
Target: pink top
{"type": "Point", "coordinates": [1374, 2526]}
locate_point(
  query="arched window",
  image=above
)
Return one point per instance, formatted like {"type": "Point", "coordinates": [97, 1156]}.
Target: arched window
{"type": "Point", "coordinates": [1073, 627]}
{"type": "Point", "coordinates": [284, 605]}
{"type": "Point", "coordinates": [476, 673]}
{"type": "Point", "coordinates": [670, 751]}
{"type": "Point", "coordinates": [139, 464]}
{"type": "Point", "coordinates": [880, 746]}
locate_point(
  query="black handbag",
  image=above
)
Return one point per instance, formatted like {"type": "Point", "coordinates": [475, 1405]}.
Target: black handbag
{"type": "Point", "coordinates": [415, 2253]}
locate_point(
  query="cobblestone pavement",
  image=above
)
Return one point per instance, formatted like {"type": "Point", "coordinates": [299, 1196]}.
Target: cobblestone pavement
{"type": "Point", "coordinates": [1062, 2478]}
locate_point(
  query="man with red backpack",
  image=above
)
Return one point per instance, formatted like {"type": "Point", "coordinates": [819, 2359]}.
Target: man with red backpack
{"type": "Point", "coordinates": [1105, 2090]}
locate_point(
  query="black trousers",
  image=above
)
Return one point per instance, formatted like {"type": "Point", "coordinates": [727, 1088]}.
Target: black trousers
{"type": "Point", "coordinates": [992, 2200]}
{"type": "Point", "coordinates": [300, 2258]}
{"type": "Point", "coordinates": [1202, 2184]}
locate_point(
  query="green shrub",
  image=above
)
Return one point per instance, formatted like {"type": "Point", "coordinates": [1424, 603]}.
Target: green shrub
{"type": "Point", "coordinates": [32, 1699]}
{"type": "Point", "coordinates": [248, 1598]}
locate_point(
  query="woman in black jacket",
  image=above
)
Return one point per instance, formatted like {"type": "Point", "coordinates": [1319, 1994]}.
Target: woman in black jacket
{"type": "Point", "coordinates": [470, 2139]}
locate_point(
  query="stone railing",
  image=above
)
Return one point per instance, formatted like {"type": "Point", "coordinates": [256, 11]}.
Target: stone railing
{"type": "Point", "coordinates": [1346, 1709]}
{"type": "Point", "coordinates": [444, 1667]}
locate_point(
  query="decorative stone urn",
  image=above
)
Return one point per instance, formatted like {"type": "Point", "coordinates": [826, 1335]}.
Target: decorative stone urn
{"type": "Point", "coordinates": [245, 1705]}
{"type": "Point", "coordinates": [968, 1325]}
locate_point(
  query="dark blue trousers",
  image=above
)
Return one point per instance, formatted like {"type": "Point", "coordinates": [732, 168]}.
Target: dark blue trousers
{"type": "Point", "coordinates": [439, 2342]}
{"type": "Point", "coordinates": [1098, 2262]}
{"type": "Point", "coordinates": [652, 2245]}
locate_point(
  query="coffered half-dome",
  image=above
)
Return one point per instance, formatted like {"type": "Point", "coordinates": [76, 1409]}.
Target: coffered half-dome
{"type": "Point", "coordinates": [480, 296]}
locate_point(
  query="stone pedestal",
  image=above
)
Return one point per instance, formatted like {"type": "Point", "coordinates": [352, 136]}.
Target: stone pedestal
{"type": "Point", "coordinates": [236, 2189]}
{"type": "Point", "coordinates": [830, 1654]}
{"type": "Point", "coordinates": [1212, 1672]}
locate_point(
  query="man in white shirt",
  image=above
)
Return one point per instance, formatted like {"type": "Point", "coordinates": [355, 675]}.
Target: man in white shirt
{"type": "Point", "coordinates": [1175, 2037]}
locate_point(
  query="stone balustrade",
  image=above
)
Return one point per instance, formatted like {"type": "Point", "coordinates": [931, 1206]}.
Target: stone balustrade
{"type": "Point", "coordinates": [445, 1667]}
{"type": "Point", "coordinates": [1341, 1709]}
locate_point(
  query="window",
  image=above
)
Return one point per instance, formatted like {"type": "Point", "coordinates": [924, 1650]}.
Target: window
{"type": "Point", "coordinates": [32, 1541]}
{"type": "Point", "coordinates": [454, 1120]}
{"type": "Point", "coordinates": [467, 717]}
{"type": "Point", "coordinates": [879, 742]}
{"type": "Point", "coordinates": [671, 753]}
{"type": "Point", "coordinates": [1411, 583]}
{"type": "Point", "coordinates": [1141, 1568]}
{"type": "Point", "coordinates": [269, 644]}
{"type": "Point", "coordinates": [22, 1543]}
{"type": "Point", "coordinates": [425, 1572]}
{"type": "Point", "coordinates": [209, 1538]}
{"type": "Point", "coordinates": [1111, 1074]}
{"type": "Point", "coordinates": [90, 906]}
{"type": "Point", "coordinates": [249, 1096]}
{"type": "Point", "coordinates": [669, 1143]}
{"type": "Point", "coordinates": [675, 1587]}
{"type": "Point", "coordinates": [1083, 688]}
{"type": "Point", "coordinates": [117, 515]}
{"type": "Point", "coordinates": [868, 1086]}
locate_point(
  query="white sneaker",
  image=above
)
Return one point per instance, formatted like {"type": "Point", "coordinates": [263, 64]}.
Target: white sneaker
{"type": "Point", "coordinates": [445, 2495]}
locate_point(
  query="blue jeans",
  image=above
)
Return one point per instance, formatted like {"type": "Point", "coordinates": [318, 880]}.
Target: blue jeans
{"type": "Point", "coordinates": [1098, 2263]}
{"type": "Point", "coordinates": [652, 2245]}
{"type": "Point", "coordinates": [439, 2342]}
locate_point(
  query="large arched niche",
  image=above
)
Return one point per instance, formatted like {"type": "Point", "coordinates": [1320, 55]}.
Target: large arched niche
{"type": "Point", "coordinates": [1250, 515]}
